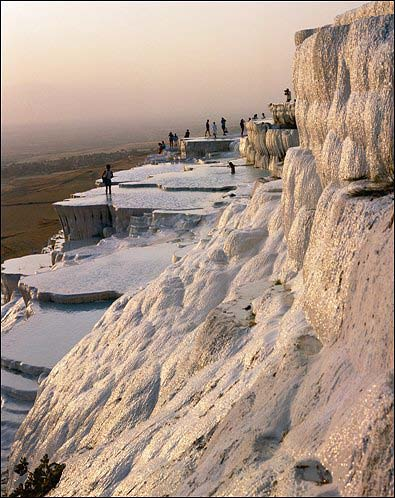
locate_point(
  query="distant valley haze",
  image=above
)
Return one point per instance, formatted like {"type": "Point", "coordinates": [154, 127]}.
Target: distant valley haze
{"type": "Point", "coordinates": [80, 75]}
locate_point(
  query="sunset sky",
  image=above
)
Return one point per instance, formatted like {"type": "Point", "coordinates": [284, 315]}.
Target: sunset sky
{"type": "Point", "coordinates": [144, 61]}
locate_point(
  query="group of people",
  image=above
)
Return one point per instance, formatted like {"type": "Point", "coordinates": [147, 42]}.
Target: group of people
{"type": "Point", "coordinates": [213, 130]}
{"type": "Point", "coordinates": [173, 140]}
{"type": "Point", "coordinates": [161, 147]}
{"type": "Point", "coordinates": [243, 123]}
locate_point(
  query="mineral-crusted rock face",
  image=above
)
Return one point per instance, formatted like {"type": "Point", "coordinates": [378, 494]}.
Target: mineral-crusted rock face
{"type": "Point", "coordinates": [200, 147]}
{"type": "Point", "coordinates": [265, 146]}
{"type": "Point", "coordinates": [83, 222]}
{"type": "Point", "coordinates": [344, 107]}
{"type": "Point", "coordinates": [284, 114]}
{"type": "Point", "coordinates": [217, 380]}
{"type": "Point", "coordinates": [368, 10]}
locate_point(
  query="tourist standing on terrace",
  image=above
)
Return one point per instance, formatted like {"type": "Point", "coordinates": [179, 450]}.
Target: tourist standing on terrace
{"type": "Point", "coordinates": [175, 140]}
{"type": "Point", "coordinates": [106, 177]}
{"type": "Point", "coordinates": [232, 168]}
{"type": "Point", "coordinates": [287, 93]}
{"type": "Point", "coordinates": [187, 134]}
{"type": "Point", "coordinates": [242, 126]}
{"type": "Point", "coordinates": [214, 129]}
{"type": "Point", "coordinates": [207, 129]}
{"type": "Point", "coordinates": [171, 139]}
{"type": "Point", "coordinates": [263, 116]}
{"type": "Point", "coordinates": [223, 126]}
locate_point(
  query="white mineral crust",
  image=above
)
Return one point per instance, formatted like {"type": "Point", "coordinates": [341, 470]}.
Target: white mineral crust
{"type": "Point", "coordinates": [261, 363]}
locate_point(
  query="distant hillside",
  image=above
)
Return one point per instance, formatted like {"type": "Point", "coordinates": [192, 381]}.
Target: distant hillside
{"type": "Point", "coordinates": [62, 164]}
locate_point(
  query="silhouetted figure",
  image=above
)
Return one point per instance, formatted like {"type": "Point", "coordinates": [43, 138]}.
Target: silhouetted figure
{"type": "Point", "coordinates": [242, 126]}
{"type": "Point", "coordinates": [159, 148]}
{"type": "Point", "coordinates": [171, 140]}
{"type": "Point", "coordinates": [223, 126]}
{"type": "Point", "coordinates": [214, 129]}
{"type": "Point", "coordinates": [106, 177]}
{"type": "Point", "coordinates": [232, 168]}
{"type": "Point", "coordinates": [187, 134]}
{"type": "Point", "coordinates": [263, 116]}
{"type": "Point", "coordinates": [163, 145]}
{"type": "Point", "coordinates": [175, 140]}
{"type": "Point", "coordinates": [287, 93]}
{"type": "Point", "coordinates": [255, 116]}
{"type": "Point", "coordinates": [207, 132]}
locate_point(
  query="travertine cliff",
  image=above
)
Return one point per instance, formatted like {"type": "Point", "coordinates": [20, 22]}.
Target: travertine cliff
{"type": "Point", "coordinates": [261, 363]}
{"type": "Point", "coordinates": [266, 146]}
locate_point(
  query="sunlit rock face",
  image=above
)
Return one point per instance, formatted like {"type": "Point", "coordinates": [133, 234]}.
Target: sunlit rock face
{"type": "Point", "coordinates": [261, 363]}
{"type": "Point", "coordinates": [266, 146]}
{"type": "Point", "coordinates": [284, 114]}
{"type": "Point", "coordinates": [344, 106]}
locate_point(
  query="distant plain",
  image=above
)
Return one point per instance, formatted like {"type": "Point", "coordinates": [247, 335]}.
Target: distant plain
{"type": "Point", "coordinates": [28, 218]}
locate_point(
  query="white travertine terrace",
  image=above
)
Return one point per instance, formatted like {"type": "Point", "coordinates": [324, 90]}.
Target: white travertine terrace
{"type": "Point", "coordinates": [140, 191]}
{"type": "Point", "coordinates": [266, 146]}
{"type": "Point", "coordinates": [261, 364]}
{"type": "Point", "coordinates": [13, 269]}
{"type": "Point", "coordinates": [199, 147]}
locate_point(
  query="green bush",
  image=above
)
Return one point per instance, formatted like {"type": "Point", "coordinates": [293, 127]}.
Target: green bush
{"type": "Point", "coordinates": [39, 482]}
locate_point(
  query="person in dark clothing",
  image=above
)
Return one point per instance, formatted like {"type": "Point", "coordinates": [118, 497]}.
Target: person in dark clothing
{"type": "Point", "coordinates": [106, 177]}
{"type": "Point", "coordinates": [242, 126]}
{"type": "Point", "coordinates": [187, 134]}
{"type": "Point", "coordinates": [223, 126]}
{"type": "Point", "coordinates": [255, 116]}
{"type": "Point", "coordinates": [207, 132]}
{"type": "Point", "coordinates": [171, 139]}
{"type": "Point", "coordinates": [287, 93]}
{"type": "Point", "coordinates": [232, 168]}
{"type": "Point", "coordinates": [263, 116]}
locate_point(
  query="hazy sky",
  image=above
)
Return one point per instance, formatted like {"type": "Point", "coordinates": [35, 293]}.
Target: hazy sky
{"type": "Point", "coordinates": [127, 61]}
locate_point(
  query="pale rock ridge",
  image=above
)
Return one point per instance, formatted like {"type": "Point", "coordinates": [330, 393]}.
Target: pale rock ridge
{"type": "Point", "coordinates": [368, 10]}
{"type": "Point", "coordinates": [266, 146]}
{"type": "Point", "coordinates": [216, 379]}
{"type": "Point", "coordinates": [284, 114]}
{"type": "Point", "coordinates": [344, 107]}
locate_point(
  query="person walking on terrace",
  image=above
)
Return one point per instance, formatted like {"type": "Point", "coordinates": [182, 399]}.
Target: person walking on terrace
{"type": "Point", "coordinates": [207, 132]}
{"type": "Point", "coordinates": [242, 126]}
{"type": "Point", "coordinates": [106, 177]}
{"type": "Point", "coordinates": [214, 129]}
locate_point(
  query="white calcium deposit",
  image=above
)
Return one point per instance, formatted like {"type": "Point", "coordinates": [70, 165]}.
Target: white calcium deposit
{"type": "Point", "coordinates": [259, 364]}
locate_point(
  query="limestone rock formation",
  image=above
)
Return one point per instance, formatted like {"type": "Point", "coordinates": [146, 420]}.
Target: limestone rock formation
{"type": "Point", "coordinates": [262, 368]}
{"type": "Point", "coordinates": [266, 146]}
